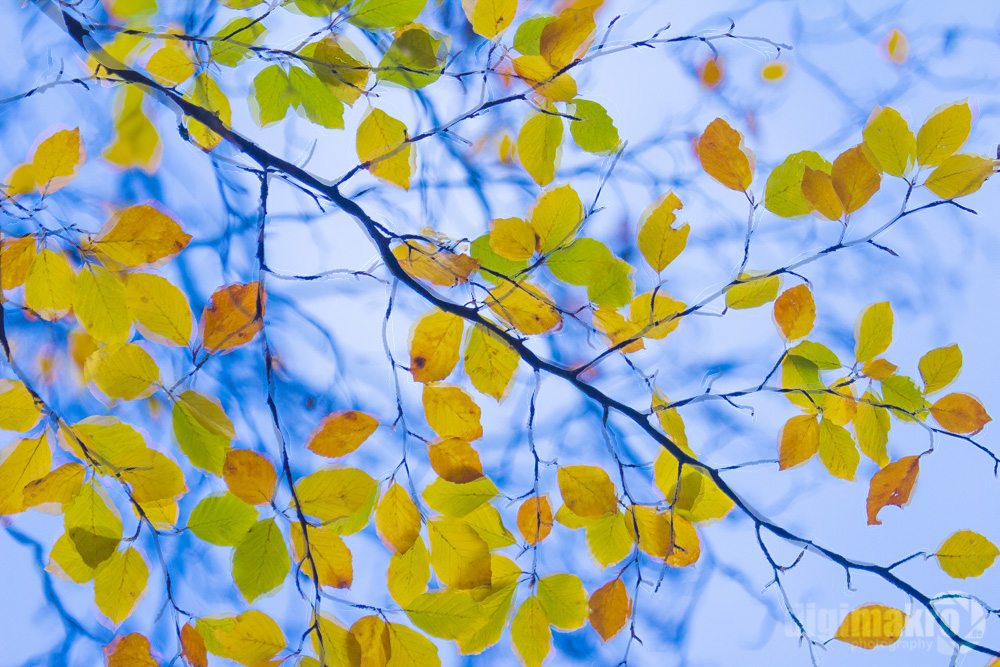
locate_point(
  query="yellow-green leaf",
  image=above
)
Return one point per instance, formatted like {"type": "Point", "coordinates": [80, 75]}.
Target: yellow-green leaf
{"type": "Point", "coordinates": [408, 573]}
{"type": "Point", "coordinates": [16, 256]}
{"type": "Point", "coordinates": [943, 133]}
{"type": "Point", "coordinates": [490, 362]}
{"type": "Point", "coordinates": [18, 411]}
{"type": "Point", "coordinates": [59, 486]}
{"type": "Point", "coordinates": [940, 367]}
{"type": "Point", "coordinates": [383, 149]}
{"type": "Point", "coordinates": [530, 632]}
{"type": "Point", "coordinates": [206, 94]}
{"type": "Point", "coordinates": [450, 411]}
{"type": "Point", "coordinates": [564, 600]}
{"type": "Point", "coordinates": [338, 495]}
{"type": "Point", "coordinates": [659, 242]}
{"type": "Point", "coordinates": [872, 424]}
{"type": "Point", "coordinates": [960, 175]}
{"type": "Point", "coordinates": [490, 17]}
{"type": "Point", "coordinates": [251, 638]}
{"type": "Point", "coordinates": [609, 539]}
{"type": "Point", "coordinates": [798, 441]}
{"type": "Point", "coordinates": [119, 583]}
{"type": "Point", "coordinates": [874, 331]}
{"type": "Point", "coordinates": [100, 305]}
{"type": "Point", "coordinates": [397, 519]}
{"type": "Point", "coordinates": [555, 217]}
{"type": "Point", "coordinates": [93, 526]}
{"type": "Point", "coordinates": [784, 193]}
{"type": "Point", "coordinates": [327, 551]}
{"type": "Point", "coordinates": [446, 613]}
{"type": "Point", "coordinates": [837, 450]}
{"type": "Point", "coordinates": [122, 370]}
{"type": "Point", "coordinates": [260, 561]}
{"type": "Point", "coordinates": [382, 14]}
{"type": "Point", "coordinates": [593, 129]}
{"type": "Point", "coordinates": [750, 290]}
{"type": "Point", "coordinates": [203, 430]}
{"type": "Point", "coordinates": [57, 159]}
{"type": "Point", "coordinates": [270, 95]}
{"type": "Point", "coordinates": [461, 558]}
{"type": "Point", "coordinates": [171, 64]}
{"type": "Point", "coordinates": [539, 145]}
{"type": "Point", "coordinates": [457, 500]}
{"type": "Point", "coordinates": [159, 308]}
{"type": "Point", "coordinates": [26, 461]}
{"type": "Point", "coordinates": [966, 554]}
{"type": "Point", "coordinates": [512, 238]}
{"type": "Point", "coordinates": [50, 286]}
{"type": "Point", "coordinates": [891, 142]}
{"type": "Point", "coordinates": [223, 520]}
{"type": "Point", "coordinates": [587, 490]}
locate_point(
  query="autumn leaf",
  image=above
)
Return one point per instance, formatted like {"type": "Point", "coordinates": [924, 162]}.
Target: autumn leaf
{"type": "Point", "coordinates": [855, 179]}
{"type": "Point", "coordinates": [892, 485]}
{"type": "Point", "coordinates": [795, 312]}
{"type": "Point", "coordinates": [250, 476]}
{"type": "Point", "coordinates": [872, 625]}
{"type": "Point", "coordinates": [960, 413]}
{"type": "Point", "coordinates": [454, 460]}
{"type": "Point", "coordinates": [57, 160]}
{"type": "Point", "coordinates": [131, 650]}
{"type": "Point", "coordinates": [534, 519]}
{"type": "Point", "coordinates": [587, 490]}
{"type": "Point", "coordinates": [966, 554]}
{"type": "Point", "coordinates": [609, 609]}
{"type": "Point", "coordinates": [891, 142]}
{"type": "Point", "coordinates": [341, 432]}
{"type": "Point", "coordinates": [234, 317]}
{"type": "Point", "coordinates": [943, 133]}
{"type": "Point", "coordinates": [383, 148]}
{"type": "Point", "coordinates": [723, 156]}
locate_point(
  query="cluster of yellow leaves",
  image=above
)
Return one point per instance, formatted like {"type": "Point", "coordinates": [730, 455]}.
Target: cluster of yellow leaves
{"type": "Point", "coordinates": [806, 183]}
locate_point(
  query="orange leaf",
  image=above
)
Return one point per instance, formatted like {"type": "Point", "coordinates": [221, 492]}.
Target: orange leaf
{"type": "Point", "coordinates": [610, 607]}
{"type": "Point", "coordinates": [798, 441]}
{"type": "Point", "coordinates": [455, 460]}
{"type": "Point", "coordinates": [534, 519]}
{"type": "Point", "coordinates": [722, 155]}
{"type": "Point", "coordinates": [855, 179]}
{"type": "Point", "coordinates": [341, 432]}
{"type": "Point", "coordinates": [129, 651]}
{"type": "Point", "coordinates": [710, 73]}
{"type": "Point", "coordinates": [960, 413]}
{"type": "Point", "coordinates": [892, 485]}
{"type": "Point", "coordinates": [795, 312]}
{"type": "Point", "coordinates": [430, 263]}
{"type": "Point", "coordinates": [193, 646]}
{"type": "Point", "coordinates": [235, 316]}
{"type": "Point", "coordinates": [817, 188]}
{"type": "Point", "coordinates": [250, 476]}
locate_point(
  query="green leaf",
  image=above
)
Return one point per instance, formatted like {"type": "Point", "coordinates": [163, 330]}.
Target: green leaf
{"type": "Point", "coordinates": [539, 144]}
{"type": "Point", "coordinates": [316, 101]}
{"type": "Point", "coordinates": [457, 500]}
{"type": "Point", "coordinates": [93, 525]}
{"type": "Point", "coordinates": [595, 131]}
{"type": "Point", "coordinates": [271, 95]}
{"type": "Point", "coordinates": [783, 195]}
{"type": "Point", "coordinates": [750, 290]}
{"type": "Point", "coordinates": [414, 58]}
{"type": "Point", "coordinates": [489, 260]}
{"type": "Point", "coordinates": [229, 45]}
{"type": "Point", "coordinates": [891, 142]}
{"type": "Point", "coordinates": [902, 392]}
{"type": "Point", "coordinates": [528, 38]}
{"type": "Point", "coordinates": [260, 561]}
{"type": "Point", "coordinates": [446, 614]}
{"type": "Point", "coordinates": [615, 290]}
{"type": "Point", "coordinates": [223, 520]}
{"type": "Point", "coordinates": [382, 14]}
{"type": "Point", "coordinates": [873, 332]}
{"type": "Point", "coordinates": [203, 430]}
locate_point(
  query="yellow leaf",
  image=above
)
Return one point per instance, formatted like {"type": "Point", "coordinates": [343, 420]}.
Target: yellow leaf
{"type": "Point", "coordinates": [235, 315]}
{"type": "Point", "coordinates": [337, 494]}
{"type": "Point", "coordinates": [609, 609]}
{"type": "Point", "coordinates": [136, 142]}
{"type": "Point", "coordinates": [66, 562]}
{"type": "Point", "coordinates": [100, 305]}
{"type": "Point", "coordinates": [960, 413]}
{"type": "Point", "coordinates": [26, 461]}
{"type": "Point", "coordinates": [656, 317]}
{"type": "Point", "coordinates": [698, 498]}
{"type": "Point", "coordinates": [555, 217]}
{"type": "Point", "coordinates": [530, 632]}
{"type": "Point", "coordinates": [940, 367]}
{"type": "Point", "coordinates": [383, 148]}
{"type": "Point", "coordinates": [20, 180]}
{"type": "Point", "coordinates": [170, 64]}
{"type": "Point", "coordinates": [16, 257]}
{"type": "Point", "coordinates": [153, 475]}
{"type": "Point", "coordinates": [455, 460]}
{"type": "Point", "coordinates": [450, 411]}
{"type": "Point", "coordinates": [59, 486]}
{"type": "Point", "coordinates": [896, 46]}
{"type": "Point", "coordinates": [663, 535]}
{"type": "Point", "coordinates": [250, 638]}
{"type": "Point", "coordinates": [461, 558]}
{"type": "Point", "coordinates": [854, 178]}
{"type": "Point", "coordinates": [873, 332]}
{"type": "Point", "coordinates": [618, 329]}
{"type": "Point", "coordinates": [206, 94]}
{"type": "Point", "coordinates": [203, 430]}
{"type": "Point", "coordinates": [93, 526]}
{"type": "Point", "coordinates": [132, 650]}
{"type": "Point", "coordinates": [795, 312]}
{"type": "Point", "coordinates": [723, 156]}
{"type": "Point", "coordinates": [564, 600]}
{"type": "Point", "coordinates": [458, 500]}
{"type": "Point", "coordinates": [512, 238]}
{"type": "Point", "coordinates": [433, 264]}
{"type": "Point", "coordinates": [872, 625]}
{"type": "Point", "coordinates": [960, 175]}
{"type": "Point", "coordinates": [411, 649]}
{"type": "Point", "coordinates": [120, 583]}
{"type": "Point", "coordinates": [774, 71]}
{"type": "Point", "coordinates": [538, 73]}
{"type": "Point", "coordinates": [397, 519]}
{"type": "Point", "coordinates": [534, 519]}
{"type": "Point", "coordinates": [943, 133]}
{"type": "Point", "coordinates": [328, 552]}
{"type": "Point", "coordinates": [879, 369]}
{"type": "Point", "coordinates": [798, 441]}
{"type": "Point", "coordinates": [539, 145]}
{"type": "Point", "coordinates": [892, 485]}
{"type": "Point", "coordinates": [159, 308]}
{"type": "Point", "coordinates": [587, 490]}
{"type": "Point", "coordinates": [891, 142]}
{"type": "Point", "coordinates": [250, 476]}
{"type": "Point", "coordinates": [372, 634]}
{"type": "Point", "coordinates": [818, 190]}
{"type": "Point", "coordinates": [752, 289]}
{"type": "Point", "coordinates": [50, 285]}
{"type": "Point", "coordinates": [490, 362]}
{"type": "Point", "coordinates": [966, 554]}
{"type": "Point", "coordinates": [659, 242]}
{"type": "Point", "coordinates": [568, 37]}
{"type": "Point", "coordinates": [609, 539]}
{"type": "Point", "coordinates": [122, 370]}
{"type": "Point", "coordinates": [341, 66]}
{"type": "Point", "coordinates": [338, 647]}
{"type": "Point", "coordinates": [18, 411]}
{"type": "Point", "coordinates": [140, 235]}
{"type": "Point", "coordinates": [447, 613]}
{"type": "Point", "coordinates": [434, 345]}
{"type": "Point", "coordinates": [490, 17]}
{"type": "Point", "coordinates": [57, 160]}
{"type": "Point", "coordinates": [837, 450]}
{"type": "Point", "coordinates": [840, 406]}
{"type": "Point", "coordinates": [408, 573]}
{"type": "Point", "coordinates": [488, 524]}
{"type": "Point", "coordinates": [341, 432]}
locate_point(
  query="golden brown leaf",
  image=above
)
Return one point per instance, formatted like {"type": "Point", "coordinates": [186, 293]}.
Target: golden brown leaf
{"type": "Point", "coordinates": [795, 312]}
{"type": "Point", "coordinates": [723, 156]}
{"type": "Point", "coordinates": [454, 459]}
{"type": "Point", "coordinates": [235, 315]}
{"type": "Point", "coordinates": [250, 476]}
{"type": "Point", "coordinates": [892, 485]}
{"type": "Point", "coordinates": [609, 609]}
{"type": "Point", "coordinates": [960, 413]}
{"type": "Point", "coordinates": [341, 432]}
{"type": "Point", "coordinates": [534, 519]}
